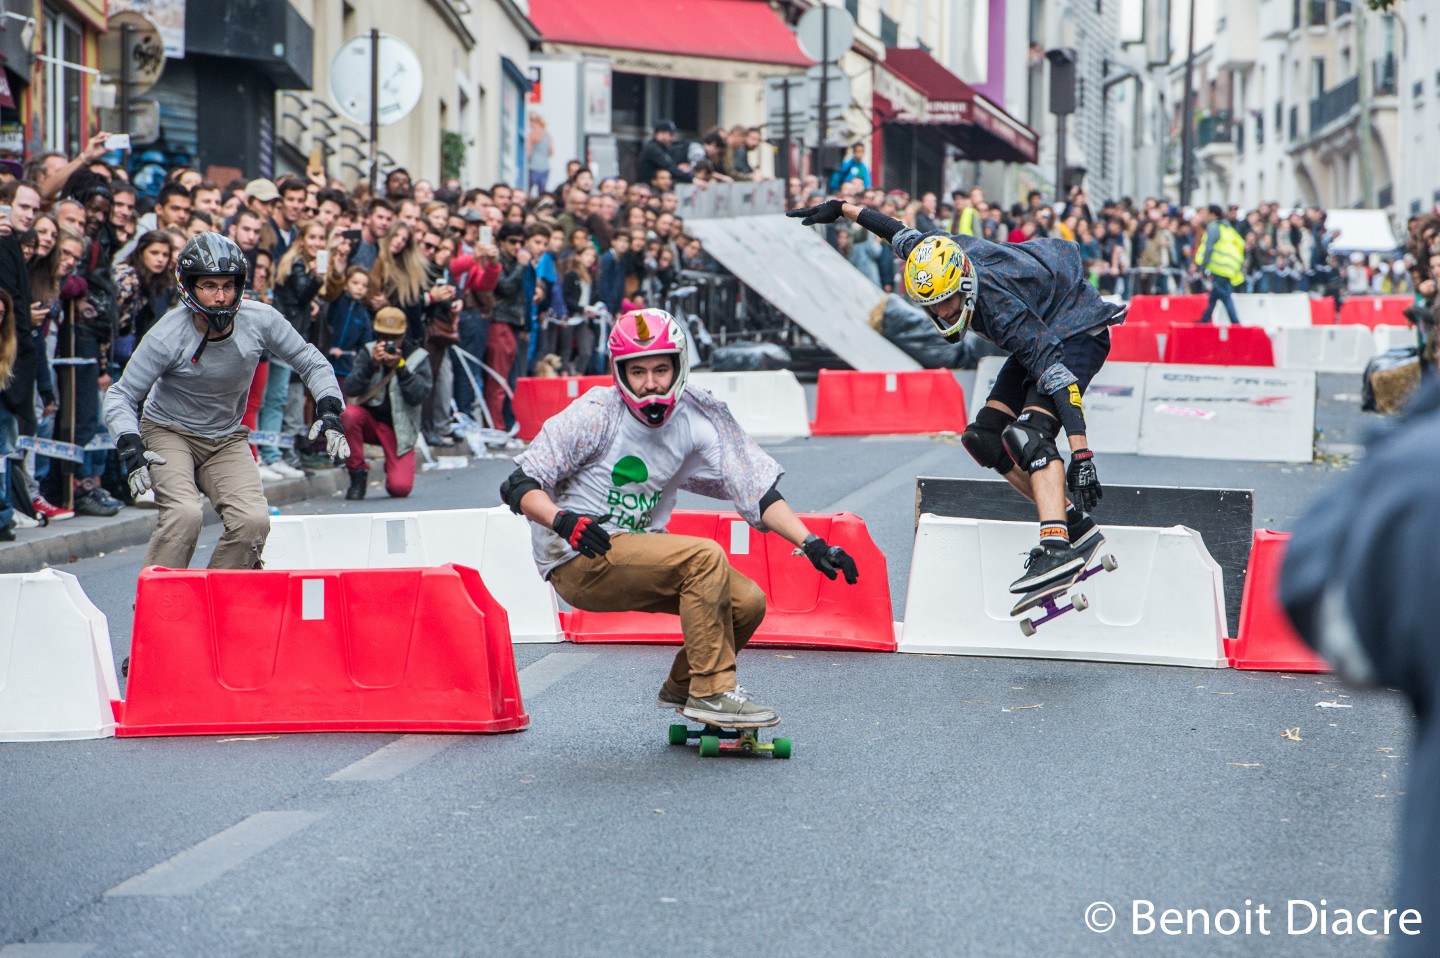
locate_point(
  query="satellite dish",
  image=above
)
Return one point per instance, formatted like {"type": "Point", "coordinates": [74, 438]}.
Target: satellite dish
{"type": "Point", "coordinates": [401, 79]}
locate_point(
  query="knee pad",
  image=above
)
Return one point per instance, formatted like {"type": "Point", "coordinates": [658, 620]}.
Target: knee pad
{"type": "Point", "coordinates": [1030, 440]}
{"type": "Point", "coordinates": [982, 440]}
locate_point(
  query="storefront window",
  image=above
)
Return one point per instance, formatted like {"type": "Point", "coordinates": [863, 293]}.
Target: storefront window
{"type": "Point", "coordinates": [513, 88]}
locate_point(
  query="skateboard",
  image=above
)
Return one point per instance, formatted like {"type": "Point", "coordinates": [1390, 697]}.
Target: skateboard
{"type": "Point", "coordinates": [715, 739]}
{"type": "Point", "coordinates": [1048, 597]}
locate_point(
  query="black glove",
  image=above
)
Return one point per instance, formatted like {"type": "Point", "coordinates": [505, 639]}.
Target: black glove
{"type": "Point", "coordinates": [136, 460]}
{"type": "Point", "coordinates": [329, 410]}
{"type": "Point", "coordinates": [828, 559]}
{"type": "Point", "coordinates": [585, 534]}
{"type": "Point", "coordinates": [827, 212]}
{"type": "Point", "coordinates": [1083, 480]}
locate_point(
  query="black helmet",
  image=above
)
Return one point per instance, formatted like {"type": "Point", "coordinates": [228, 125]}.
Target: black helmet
{"type": "Point", "coordinates": [211, 254]}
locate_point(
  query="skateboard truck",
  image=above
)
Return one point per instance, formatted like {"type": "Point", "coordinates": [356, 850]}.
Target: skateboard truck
{"type": "Point", "coordinates": [715, 739]}
{"type": "Point", "coordinates": [1047, 598]}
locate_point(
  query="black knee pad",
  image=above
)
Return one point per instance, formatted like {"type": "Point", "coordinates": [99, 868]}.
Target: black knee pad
{"type": "Point", "coordinates": [982, 440]}
{"type": "Point", "coordinates": [1030, 440]}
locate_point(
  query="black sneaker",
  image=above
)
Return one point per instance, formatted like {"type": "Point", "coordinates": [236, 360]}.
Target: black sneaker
{"type": "Point", "coordinates": [7, 534]}
{"type": "Point", "coordinates": [358, 480]}
{"type": "Point", "coordinates": [1085, 534]}
{"type": "Point", "coordinates": [667, 699]}
{"type": "Point", "coordinates": [90, 504]}
{"type": "Point", "coordinates": [1047, 563]}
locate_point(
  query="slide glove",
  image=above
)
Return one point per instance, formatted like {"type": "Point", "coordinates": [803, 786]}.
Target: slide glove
{"type": "Point", "coordinates": [828, 559]}
{"type": "Point", "coordinates": [136, 460]}
{"type": "Point", "coordinates": [826, 212]}
{"type": "Point", "coordinates": [1083, 480]}
{"type": "Point", "coordinates": [336, 446]}
{"type": "Point", "coordinates": [585, 534]}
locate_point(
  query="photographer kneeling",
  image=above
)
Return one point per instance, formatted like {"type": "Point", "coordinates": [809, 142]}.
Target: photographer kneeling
{"type": "Point", "coordinates": [387, 388]}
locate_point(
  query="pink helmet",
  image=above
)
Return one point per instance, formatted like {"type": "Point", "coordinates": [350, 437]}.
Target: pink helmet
{"type": "Point", "coordinates": [649, 332]}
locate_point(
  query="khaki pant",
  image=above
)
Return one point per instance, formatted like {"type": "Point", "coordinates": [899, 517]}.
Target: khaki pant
{"type": "Point", "coordinates": [719, 608]}
{"type": "Point", "coordinates": [222, 469]}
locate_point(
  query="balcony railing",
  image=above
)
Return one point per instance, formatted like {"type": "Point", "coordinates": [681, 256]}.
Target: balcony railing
{"type": "Point", "coordinates": [1215, 128]}
{"type": "Point", "coordinates": [1333, 104]}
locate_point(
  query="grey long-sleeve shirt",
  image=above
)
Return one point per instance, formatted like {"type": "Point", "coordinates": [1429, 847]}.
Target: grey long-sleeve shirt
{"type": "Point", "coordinates": [207, 398]}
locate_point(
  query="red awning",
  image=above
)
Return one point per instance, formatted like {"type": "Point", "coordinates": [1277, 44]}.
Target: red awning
{"type": "Point", "coordinates": [745, 30]}
{"type": "Point", "coordinates": [937, 97]}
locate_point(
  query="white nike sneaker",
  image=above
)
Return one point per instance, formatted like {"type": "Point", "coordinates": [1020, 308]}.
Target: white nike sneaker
{"type": "Point", "coordinates": [286, 470]}
{"type": "Point", "coordinates": [22, 521]}
{"type": "Point", "coordinates": [268, 473]}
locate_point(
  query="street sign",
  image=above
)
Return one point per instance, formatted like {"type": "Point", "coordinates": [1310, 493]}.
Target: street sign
{"type": "Point", "coordinates": [775, 103]}
{"type": "Point", "coordinates": [837, 89]}
{"type": "Point", "coordinates": [825, 33]}
{"type": "Point", "coordinates": [401, 79]}
{"type": "Point", "coordinates": [145, 54]}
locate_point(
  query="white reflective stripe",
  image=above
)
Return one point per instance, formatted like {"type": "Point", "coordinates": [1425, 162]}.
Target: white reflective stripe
{"type": "Point", "coordinates": [312, 599]}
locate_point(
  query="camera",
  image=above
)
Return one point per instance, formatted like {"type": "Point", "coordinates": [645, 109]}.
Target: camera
{"type": "Point", "coordinates": [392, 348]}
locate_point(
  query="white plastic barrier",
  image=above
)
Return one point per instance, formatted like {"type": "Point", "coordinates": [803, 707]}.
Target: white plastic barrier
{"type": "Point", "coordinates": [1250, 413]}
{"type": "Point", "coordinates": [57, 671]}
{"type": "Point", "coordinates": [1274, 310]}
{"type": "Point", "coordinates": [495, 541]}
{"type": "Point", "coordinates": [769, 405]}
{"type": "Point", "coordinates": [1113, 402]}
{"type": "Point", "coordinates": [1325, 349]}
{"type": "Point", "coordinates": [1389, 337]}
{"type": "Point", "coordinates": [1164, 605]}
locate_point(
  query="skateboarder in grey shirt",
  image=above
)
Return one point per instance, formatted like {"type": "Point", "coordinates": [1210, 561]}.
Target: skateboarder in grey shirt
{"type": "Point", "coordinates": [192, 372]}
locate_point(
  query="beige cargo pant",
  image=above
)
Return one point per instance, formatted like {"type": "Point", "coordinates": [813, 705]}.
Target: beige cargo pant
{"type": "Point", "coordinates": [222, 469]}
{"type": "Point", "coordinates": [719, 608]}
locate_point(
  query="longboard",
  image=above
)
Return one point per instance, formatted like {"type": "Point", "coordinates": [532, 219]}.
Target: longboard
{"type": "Point", "coordinates": [1049, 597]}
{"type": "Point", "coordinates": [744, 739]}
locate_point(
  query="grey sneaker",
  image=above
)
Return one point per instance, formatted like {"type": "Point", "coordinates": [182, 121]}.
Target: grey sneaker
{"type": "Point", "coordinates": [729, 709]}
{"type": "Point", "coordinates": [667, 699]}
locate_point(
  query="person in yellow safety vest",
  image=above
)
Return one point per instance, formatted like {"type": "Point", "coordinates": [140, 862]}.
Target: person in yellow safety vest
{"type": "Point", "coordinates": [1221, 253]}
{"type": "Point", "coordinates": [966, 221]}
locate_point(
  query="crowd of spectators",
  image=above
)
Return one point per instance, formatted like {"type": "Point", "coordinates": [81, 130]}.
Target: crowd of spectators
{"type": "Point", "coordinates": [492, 284]}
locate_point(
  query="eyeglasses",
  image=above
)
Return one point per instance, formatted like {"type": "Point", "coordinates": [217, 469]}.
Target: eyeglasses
{"type": "Point", "coordinates": [212, 288]}
{"type": "Point", "coordinates": [430, 247]}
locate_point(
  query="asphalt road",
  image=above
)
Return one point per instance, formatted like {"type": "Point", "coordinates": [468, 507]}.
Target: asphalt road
{"type": "Point", "coordinates": [935, 805]}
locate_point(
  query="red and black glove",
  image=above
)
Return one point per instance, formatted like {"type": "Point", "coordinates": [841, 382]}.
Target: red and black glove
{"type": "Point", "coordinates": [585, 534]}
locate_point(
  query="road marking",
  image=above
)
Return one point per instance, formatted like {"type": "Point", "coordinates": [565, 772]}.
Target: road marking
{"type": "Point", "coordinates": [48, 950]}
{"type": "Point", "coordinates": [539, 676]}
{"type": "Point", "coordinates": [910, 468]}
{"type": "Point", "coordinates": [405, 753]}
{"type": "Point", "coordinates": [201, 864]}
{"type": "Point", "coordinates": [399, 756]}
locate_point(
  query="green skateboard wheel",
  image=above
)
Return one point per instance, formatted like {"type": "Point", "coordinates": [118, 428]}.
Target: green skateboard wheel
{"type": "Point", "coordinates": [679, 735]}
{"type": "Point", "coordinates": [781, 747]}
{"type": "Point", "coordinates": [709, 746]}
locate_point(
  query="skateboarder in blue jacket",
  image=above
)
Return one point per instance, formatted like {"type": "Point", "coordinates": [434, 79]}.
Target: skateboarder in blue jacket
{"type": "Point", "coordinates": [1033, 300]}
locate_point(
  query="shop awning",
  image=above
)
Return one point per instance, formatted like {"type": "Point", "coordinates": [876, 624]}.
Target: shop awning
{"type": "Point", "coordinates": [911, 86]}
{"type": "Point", "coordinates": [680, 38]}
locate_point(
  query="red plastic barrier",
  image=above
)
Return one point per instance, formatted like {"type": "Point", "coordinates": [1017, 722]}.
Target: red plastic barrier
{"type": "Point", "coordinates": [373, 650]}
{"type": "Point", "coordinates": [1322, 312]}
{"type": "Point", "coordinates": [1267, 641]}
{"type": "Point", "coordinates": [862, 404]}
{"type": "Point", "coordinates": [1163, 310]}
{"type": "Point", "coordinates": [802, 607]}
{"type": "Point", "coordinates": [1211, 345]}
{"type": "Point", "coordinates": [536, 400]}
{"type": "Point", "coordinates": [1134, 343]}
{"type": "Point", "coordinates": [1375, 311]}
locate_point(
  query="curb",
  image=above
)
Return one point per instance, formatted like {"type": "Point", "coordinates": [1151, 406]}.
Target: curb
{"type": "Point", "coordinates": [61, 543]}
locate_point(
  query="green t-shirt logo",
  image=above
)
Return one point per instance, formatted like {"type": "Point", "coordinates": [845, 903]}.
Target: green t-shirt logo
{"type": "Point", "coordinates": [628, 470]}
{"type": "Point", "coordinates": [631, 510]}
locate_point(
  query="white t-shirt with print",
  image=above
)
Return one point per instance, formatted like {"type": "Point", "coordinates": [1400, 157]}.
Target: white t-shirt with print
{"type": "Point", "coordinates": [634, 482]}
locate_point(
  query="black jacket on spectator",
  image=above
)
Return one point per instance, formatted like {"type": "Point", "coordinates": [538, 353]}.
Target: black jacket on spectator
{"type": "Point", "coordinates": [293, 296]}
{"type": "Point", "coordinates": [19, 395]}
{"type": "Point", "coordinates": [510, 293]}
{"type": "Point", "coordinates": [94, 269]}
{"type": "Point", "coordinates": [654, 156]}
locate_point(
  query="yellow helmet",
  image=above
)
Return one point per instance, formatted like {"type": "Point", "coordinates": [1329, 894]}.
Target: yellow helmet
{"type": "Point", "coordinates": [936, 269]}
